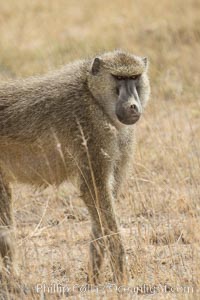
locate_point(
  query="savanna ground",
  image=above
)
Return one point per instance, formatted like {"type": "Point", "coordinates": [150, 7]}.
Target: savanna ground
{"type": "Point", "coordinates": [159, 211]}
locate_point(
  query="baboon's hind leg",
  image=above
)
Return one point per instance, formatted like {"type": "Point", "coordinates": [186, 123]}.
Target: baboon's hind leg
{"type": "Point", "coordinates": [6, 221]}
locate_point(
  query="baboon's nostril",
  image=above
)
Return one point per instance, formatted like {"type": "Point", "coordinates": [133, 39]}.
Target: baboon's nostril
{"type": "Point", "coordinates": [134, 107]}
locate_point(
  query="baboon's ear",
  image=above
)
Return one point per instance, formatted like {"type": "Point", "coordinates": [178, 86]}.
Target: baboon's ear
{"type": "Point", "coordinates": [146, 62]}
{"type": "Point", "coordinates": [95, 67]}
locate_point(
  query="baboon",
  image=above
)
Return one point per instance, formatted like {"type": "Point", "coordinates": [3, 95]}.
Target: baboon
{"type": "Point", "coordinates": [75, 123]}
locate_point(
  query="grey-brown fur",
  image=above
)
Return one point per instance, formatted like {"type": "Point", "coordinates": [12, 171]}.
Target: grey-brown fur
{"type": "Point", "coordinates": [63, 126]}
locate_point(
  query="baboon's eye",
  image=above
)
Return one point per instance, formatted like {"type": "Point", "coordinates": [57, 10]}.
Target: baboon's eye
{"type": "Point", "coordinates": [119, 77]}
{"type": "Point", "coordinates": [134, 77]}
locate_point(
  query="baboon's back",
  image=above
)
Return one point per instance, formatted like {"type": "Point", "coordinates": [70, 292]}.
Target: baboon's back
{"type": "Point", "coordinates": [29, 108]}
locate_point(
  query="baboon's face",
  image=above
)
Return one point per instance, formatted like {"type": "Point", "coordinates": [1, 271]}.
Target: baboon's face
{"type": "Point", "coordinates": [119, 82]}
{"type": "Point", "coordinates": [128, 105]}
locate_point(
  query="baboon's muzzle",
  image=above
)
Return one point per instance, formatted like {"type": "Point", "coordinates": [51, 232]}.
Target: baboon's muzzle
{"type": "Point", "coordinates": [128, 107]}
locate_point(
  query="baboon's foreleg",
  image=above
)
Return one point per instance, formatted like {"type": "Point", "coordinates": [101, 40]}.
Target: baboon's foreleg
{"type": "Point", "coordinates": [105, 232]}
{"type": "Point", "coordinates": [122, 168]}
{"type": "Point", "coordinates": [6, 221]}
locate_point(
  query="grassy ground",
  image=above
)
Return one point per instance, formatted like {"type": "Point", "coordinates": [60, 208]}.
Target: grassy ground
{"type": "Point", "coordinates": [159, 212]}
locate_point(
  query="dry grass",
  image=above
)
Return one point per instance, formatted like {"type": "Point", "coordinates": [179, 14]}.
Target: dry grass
{"type": "Point", "coordinates": [159, 212]}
